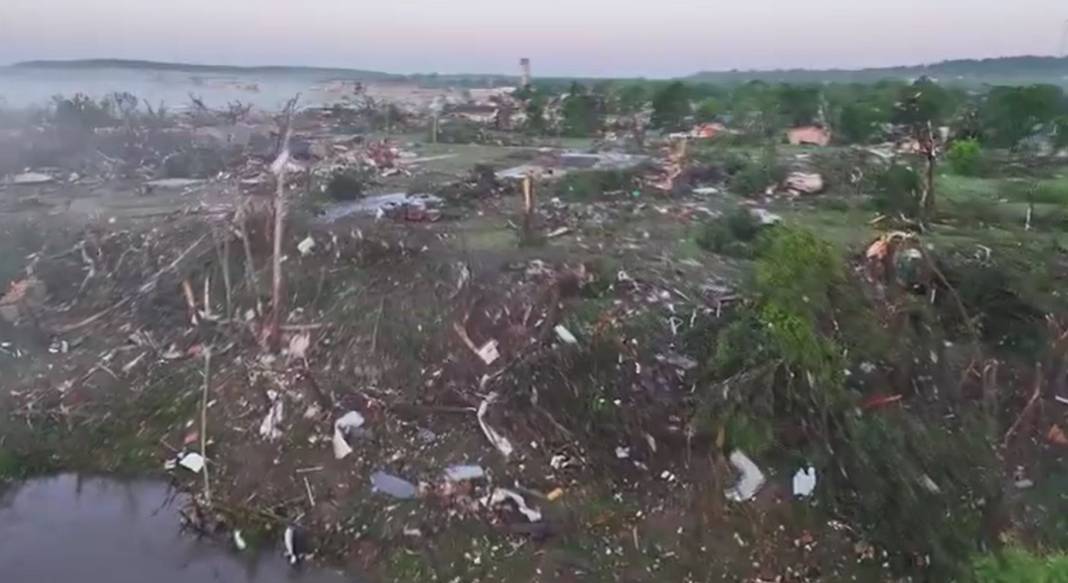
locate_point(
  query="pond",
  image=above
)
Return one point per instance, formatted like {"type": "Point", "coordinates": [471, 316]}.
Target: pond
{"type": "Point", "coordinates": [73, 529]}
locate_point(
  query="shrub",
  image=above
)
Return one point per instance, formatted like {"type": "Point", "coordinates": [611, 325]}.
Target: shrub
{"type": "Point", "coordinates": [965, 157]}
{"type": "Point", "coordinates": [756, 175]}
{"type": "Point", "coordinates": [81, 111]}
{"type": "Point", "coordinates": [347, 184]}
{"type": "Point", "coordinates": [897, 190]}
{"type": "Point", "coordinates": [785, 355]}
{"type": "Point", "coordinates": [730, 234]}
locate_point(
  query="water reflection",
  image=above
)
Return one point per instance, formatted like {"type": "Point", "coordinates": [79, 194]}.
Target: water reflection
{"type": "Point", "coordinates": [70, 529]}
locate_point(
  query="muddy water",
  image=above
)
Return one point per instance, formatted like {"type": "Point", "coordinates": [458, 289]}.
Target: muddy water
{"type": "Point", "coordinates": [67, 529]}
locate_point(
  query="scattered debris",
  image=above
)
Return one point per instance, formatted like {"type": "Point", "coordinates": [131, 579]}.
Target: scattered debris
{"type": "Point", "coordinates": [679, 361]}
{"type": "Point", "coordinates": [1056, 435]}
{"type": "Point", "coordinates": [306, 246]}
{"type": "Point", "coordinates": [239, 541]}
{"type": "Point", "coordinates": [499, 441]}
{"type": "Point", "coordinates": [805, 482]}
{"type": "Point", "coordinates": [766, 217]}
{"type": "Point", "coordinates": [808, 136]}
{"type": "Point", "coordinates": [803, 183]}
{"type": "Point", "coordinates": [750, 481]}
{"type": "Point", "coordinates": [461, 473]}
{"type": "Point", "coordinates": [488, 352]}
{"type": "Point", "coordinates": [382, 205]}
{"type": "Point", "coordinates": [270, 428]}
{"type": "Point", "coordinates": [298, 346]}
{"type": "Point", "coordinates": [343, 428]}
{"type": "Point", "coordinates": [22, 299]}
{"type": "Point", "coordinates": [501, 495]}
{"type": "Point", "coordinates": [294, 545]}
{"type": "Point", "coordinates": [393, 486]}
{"type": "Point", "coordinates": [565, 335]}
{"type": "Point", "coordinates": [31, 178]}
{"type": "Point", "coordinates": [173, 183]}
{"type": "Point", "coordinates": [192, 461]}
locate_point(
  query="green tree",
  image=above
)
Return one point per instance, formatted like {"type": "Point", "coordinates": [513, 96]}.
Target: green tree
{"type": "Point", "coordinates": [858, 122]}
{"type": "Point", "coordinates": [925, 102]}
{"type": "Point", "coordinates": [923, 106]}
{"type": "Point", "coordinates": [631, 99]}
{"type": "Point", "coordinates": [755, 106]}
{"type": "Point", "coordinates": [1060, 135]}
{"type": "Point", "coordinates": [708, 110]}
{"type": "Point", "coordinates": [535, 111]}
{"type": "Point", "coordinates": [965, 157]}
{"type": "Point", "coordinates": [1010, 114]}
{"type": "Point", "coordinates": [799, 105]}
{"type": "Point", "coordinates": [581, 112]}
{"type": "Point", "coordinates": [671, 106]}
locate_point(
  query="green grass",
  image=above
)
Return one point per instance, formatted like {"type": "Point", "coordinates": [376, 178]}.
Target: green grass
{"type": "Point", "coordinates": [1019, 566]}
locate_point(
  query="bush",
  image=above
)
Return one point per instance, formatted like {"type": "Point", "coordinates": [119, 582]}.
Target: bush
{"type": "Point", "coordinates": [347, 184]}
{"type": "Point", "coordinates": [83, 112]}
{"type": "Point", "coordinates": [897, 190]}
{"type": "Point", "coordinates": [965, 157]}
{"type": "Point", "coordinates": [730, 234]}
{"type": "Point", "coordinates": [756, 175]}
{"type": "Point", "coordinates": [785, 355]}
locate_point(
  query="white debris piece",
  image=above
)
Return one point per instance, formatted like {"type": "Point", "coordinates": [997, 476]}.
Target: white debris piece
{"type": "Point", "coordinates": [342, 427]}
{"type": "Point", "coordinates": [239, 541]}
{"type": "Point", "coordinates": [499, 441]}
{"type": "Point", "coordinates": [280, 163]}
{"type": "Point", "coordinates": [173, 183]}
{"type": "Point", "coordinates": [270, 428]}
{"type": "Point", "coordinates": [461, 473]}
{"type": "Point", "coordinates": [306, 246]}
{"type": "Point", "coordinates": [751, 480]}
{"type": "Point", "coordinates": [805, 482]}
{"type": "Point", "coordinates": [298, 345]}
{"type": "Point", "coordinates": [27, 178]}
{"type": "Point", "coordinates": [565, 335]}
{"type": "Point", "coordinates": [930, 485]}
{"type": "Point", "coordinates": [194, 462]}
{"type": "Point", "coordinates": [622, 453]}
{"type": "Point", "coordinates": [393, 486]}
{"type": "Point", "coordinates": [804, 183]}
{"type": "Point", "coordinates": [290, 552]}
{"type": "Point", "coordinates": [488, 352]}
{"type": "Point", "coordinates": [766, 217]}
{"type": "Point", "coordinates": [502, 494]}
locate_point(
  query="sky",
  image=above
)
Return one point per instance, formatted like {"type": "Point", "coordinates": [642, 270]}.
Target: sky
{"type": "Point", "coordinates": [653, 38]}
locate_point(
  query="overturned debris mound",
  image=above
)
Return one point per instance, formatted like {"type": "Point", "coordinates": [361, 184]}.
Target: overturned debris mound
{"type": "Point", "coordinates": [802, 183]}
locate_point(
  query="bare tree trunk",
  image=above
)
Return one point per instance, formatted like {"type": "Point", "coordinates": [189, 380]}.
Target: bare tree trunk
{"type": "Point", "coordinates": [929, 149]}
{"type": "Point", "coordinates": [272, 337]}
{"type": "Point", "coordinates": [528, 209]}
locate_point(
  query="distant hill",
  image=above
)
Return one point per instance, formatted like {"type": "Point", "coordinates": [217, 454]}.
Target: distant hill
{"type": "Point", "coordinates": [1001, 70]}
{"type": "Point", "coordinates": [320, 72]}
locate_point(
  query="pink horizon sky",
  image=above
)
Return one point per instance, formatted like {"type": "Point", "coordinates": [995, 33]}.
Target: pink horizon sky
{"type": "Point", "coordinates": [575, 37]}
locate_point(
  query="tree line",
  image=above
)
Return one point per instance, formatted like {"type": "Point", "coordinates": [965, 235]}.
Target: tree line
{"type": "Point", "coordinates": [999, 116]}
